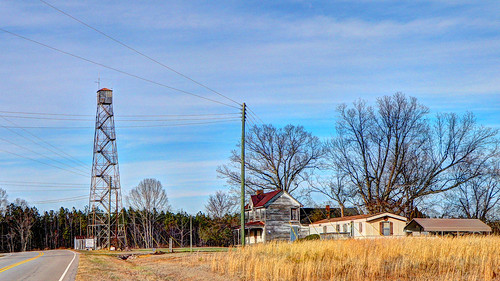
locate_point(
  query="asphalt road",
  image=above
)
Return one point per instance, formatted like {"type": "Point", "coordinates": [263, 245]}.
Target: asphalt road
{"type": "Point", "coordinates": [55, 265]}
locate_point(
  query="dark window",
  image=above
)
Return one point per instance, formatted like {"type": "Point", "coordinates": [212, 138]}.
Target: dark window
{"type": "Point", "coordinates": [324, 229]}
{"type": "Point", "coordinates": [360, 227]}
{"type": "Point", "coordinates": [338, 227]}
{"type": "Point", "coordinates": [294, 214]}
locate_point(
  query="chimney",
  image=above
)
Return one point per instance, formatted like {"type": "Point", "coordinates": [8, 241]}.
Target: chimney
{"type": "Point", "coordinates": [327, 210]}
{"type": "Point", "coordinates": [259, 192]}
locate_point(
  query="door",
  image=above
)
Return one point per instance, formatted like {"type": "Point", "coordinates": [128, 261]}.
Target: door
{"type": "Point", "coordinates": [294, 233]}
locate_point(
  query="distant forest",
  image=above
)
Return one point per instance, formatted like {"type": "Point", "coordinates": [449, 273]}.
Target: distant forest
{"type": "Point", "coordinates": [24, 228]}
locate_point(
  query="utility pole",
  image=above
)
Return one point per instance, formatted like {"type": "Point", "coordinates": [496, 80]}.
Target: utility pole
{"type": "Point", "coordinates": [242, 216]}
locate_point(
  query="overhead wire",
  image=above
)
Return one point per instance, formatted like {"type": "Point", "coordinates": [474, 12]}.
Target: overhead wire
{"type": "Point", "coordinates": [48, 164]}
{"type": "Point", "coordinates": [131, 116]}
{"type": "Point", "coordinates": [195, 118]}
{"type": "Point", "coordinates": [41, 154]}
{"type": "Point", "coordinates": [54, 149]}
{"type": "Point", "coordinates": [30, 183]}
{"type": "Point", "coordinates": [138, 52]}
{"type": "Point", "coordinates": [131, 75]}
{"type": "Point", "coordinates": [115, 69]}
{"type": "Point", "coordinates": [255, 115]}
{"type": "Point", "coordinates": [68, 199]}
{"type": "Point", "coordinates": [251, 119]}
{"type": "Point", "coordinates": [128, 127]}
{"type": "Point", "coordinates": [50, 189]}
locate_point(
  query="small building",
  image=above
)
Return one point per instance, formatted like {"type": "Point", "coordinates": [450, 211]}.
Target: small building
{"type": "Point", "coordinates": [360, 226]}
{"type": "Point", "coordinates": [428, 226]}
{"type": "Point", "coordinates": [85, 243]}
{"type": "Point", "coordinates": [273, 215]}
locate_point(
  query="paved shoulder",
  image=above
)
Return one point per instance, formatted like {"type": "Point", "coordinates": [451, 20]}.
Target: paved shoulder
{"type": "Point", "coordinates": [59, 265]}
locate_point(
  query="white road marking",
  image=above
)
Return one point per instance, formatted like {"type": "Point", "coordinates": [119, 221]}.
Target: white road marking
{"type": "Point", "coordinates": [67, 268]}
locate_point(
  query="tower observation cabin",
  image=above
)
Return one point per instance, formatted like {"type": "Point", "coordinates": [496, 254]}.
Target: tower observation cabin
{"type": "Point", "coordinates": [105, 96]}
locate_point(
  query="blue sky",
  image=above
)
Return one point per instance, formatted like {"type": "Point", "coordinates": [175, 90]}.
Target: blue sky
{"type": "Point", "coordinates": [290, 61]}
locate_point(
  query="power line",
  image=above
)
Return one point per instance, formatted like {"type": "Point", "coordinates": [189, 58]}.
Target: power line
{"type": "Point", "coordinates": [48, 164]}
{"type": "Point", "coordinates": [127, 127]}
{"type": "Point", "coordinates": [31, 183]}
{"type": "Point", "coordinates": [54, 150]}
{"type": "Point", "coordinates": [41, 154]}
{"type": "Point", "coordinates": [138, 52]}
{"type": "Point", "coordinates": [115, 69]}
{"type": "Point", "coordinates": [120, 120]}
{"type": "Point", "coordinates": [254, 114]}
{"type": "Point", "coordinates": [45, 190]}
{"type": "Point", "coordinates": [68, 199]}
{"type": "Point", "coordinates": [131, 116]}
{"type": "Point", "coordinates": [251, 120]}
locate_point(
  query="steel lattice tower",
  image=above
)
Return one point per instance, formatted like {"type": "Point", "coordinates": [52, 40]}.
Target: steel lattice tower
{"type": "Point", "coordinates": [105, 216]}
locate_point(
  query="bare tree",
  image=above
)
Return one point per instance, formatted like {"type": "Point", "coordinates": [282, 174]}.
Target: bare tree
{"type": "Point", "coordinates": [21, 218]}
{"type": "Point", "coordinates": [3, 200]}
{"type": "Point", "coordinates": [335, 187]}
{"type": "Point", "coordinates": [477, 198]}
{"type": "Point", "coordinates": [149, 199]}
{"type": "Point", "coordinates": [395, 156]}
{"type": "Point", "coordinates": [220, 204]}
{"type": "Point", "coordinates": [276, 158]}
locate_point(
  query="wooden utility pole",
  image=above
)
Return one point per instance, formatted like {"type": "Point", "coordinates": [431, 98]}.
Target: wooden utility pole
{"type": "Point", "coordinates": [242, 216]}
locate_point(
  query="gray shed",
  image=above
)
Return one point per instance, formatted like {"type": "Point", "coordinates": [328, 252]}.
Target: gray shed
{"type": "Point", "coordinates": [425, 226]}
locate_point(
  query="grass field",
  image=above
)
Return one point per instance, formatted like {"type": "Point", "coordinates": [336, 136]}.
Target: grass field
{"type": "Point", "coordinates": [435, 258]}
{"type": "Point", "coordinates": [186, 249]}
{"type": "Point", "coordinates": [105, 265]}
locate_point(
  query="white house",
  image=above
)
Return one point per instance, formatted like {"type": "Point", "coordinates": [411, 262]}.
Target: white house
{"type": "Point", "coordinates": [360, 226]}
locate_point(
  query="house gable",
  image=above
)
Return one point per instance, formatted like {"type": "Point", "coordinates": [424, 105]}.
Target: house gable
{"type": "Point", "coordinates": [285, 197]}
{"type": "Point", "coordinates": [383, 215]}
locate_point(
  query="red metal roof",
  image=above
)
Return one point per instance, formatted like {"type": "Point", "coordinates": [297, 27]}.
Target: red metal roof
{"type": "Point", "coordinates": [470, 225]}
{"type": "Point", "coordinates": [254, 223]}
{"type": "Point", "coordinates": [261, 199]}
{"type": "Point", "coordinates": [105, 89]}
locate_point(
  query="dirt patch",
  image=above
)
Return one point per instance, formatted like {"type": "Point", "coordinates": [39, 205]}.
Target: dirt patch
{"type": "Point", "coordinates": [177, 266]}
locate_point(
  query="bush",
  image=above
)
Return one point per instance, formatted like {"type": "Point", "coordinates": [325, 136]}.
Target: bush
{"type": "Point", "coordinates": [310, 237]}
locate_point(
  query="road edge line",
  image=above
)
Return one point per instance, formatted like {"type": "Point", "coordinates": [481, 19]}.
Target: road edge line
{"type": "Point", "coordinates": [69, 265]}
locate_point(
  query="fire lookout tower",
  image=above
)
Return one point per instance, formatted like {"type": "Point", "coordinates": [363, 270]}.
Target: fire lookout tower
{"type": "Point", "coordinates": [106, 223]}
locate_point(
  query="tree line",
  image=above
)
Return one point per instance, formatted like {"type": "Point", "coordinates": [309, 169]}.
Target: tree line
{"type": "Point", "coordinates": [24, 228]}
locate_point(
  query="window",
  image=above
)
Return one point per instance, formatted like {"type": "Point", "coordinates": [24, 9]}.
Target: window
{"type": "Point", "coordinates": [294, 214]}
{"type": "Point", "coordinates": [338, 227]}
{"type": "Point", "coordinates": [386, 228]}
{"type": "Point", "coordinates": [324, 229]}
{"type": "Point", "coordinates": [345, 227]}
{"type": "Point", "coordinates": [360, 227]}
{"type": "Point", "coordinates": [258, 214]}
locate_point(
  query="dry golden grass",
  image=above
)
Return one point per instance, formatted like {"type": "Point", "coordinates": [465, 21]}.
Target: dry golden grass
{"type": "Point", "coordinates": [101, 265]}
{"type": "Point", "coordinates": [463, 258]}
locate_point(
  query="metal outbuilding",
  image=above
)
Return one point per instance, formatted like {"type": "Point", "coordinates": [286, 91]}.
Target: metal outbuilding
{"type": "Point", "coordinates": [425, 226]}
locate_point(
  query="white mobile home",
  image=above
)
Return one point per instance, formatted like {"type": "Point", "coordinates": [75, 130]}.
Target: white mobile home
{"type": "Point", "coordinates": [360, 226]}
